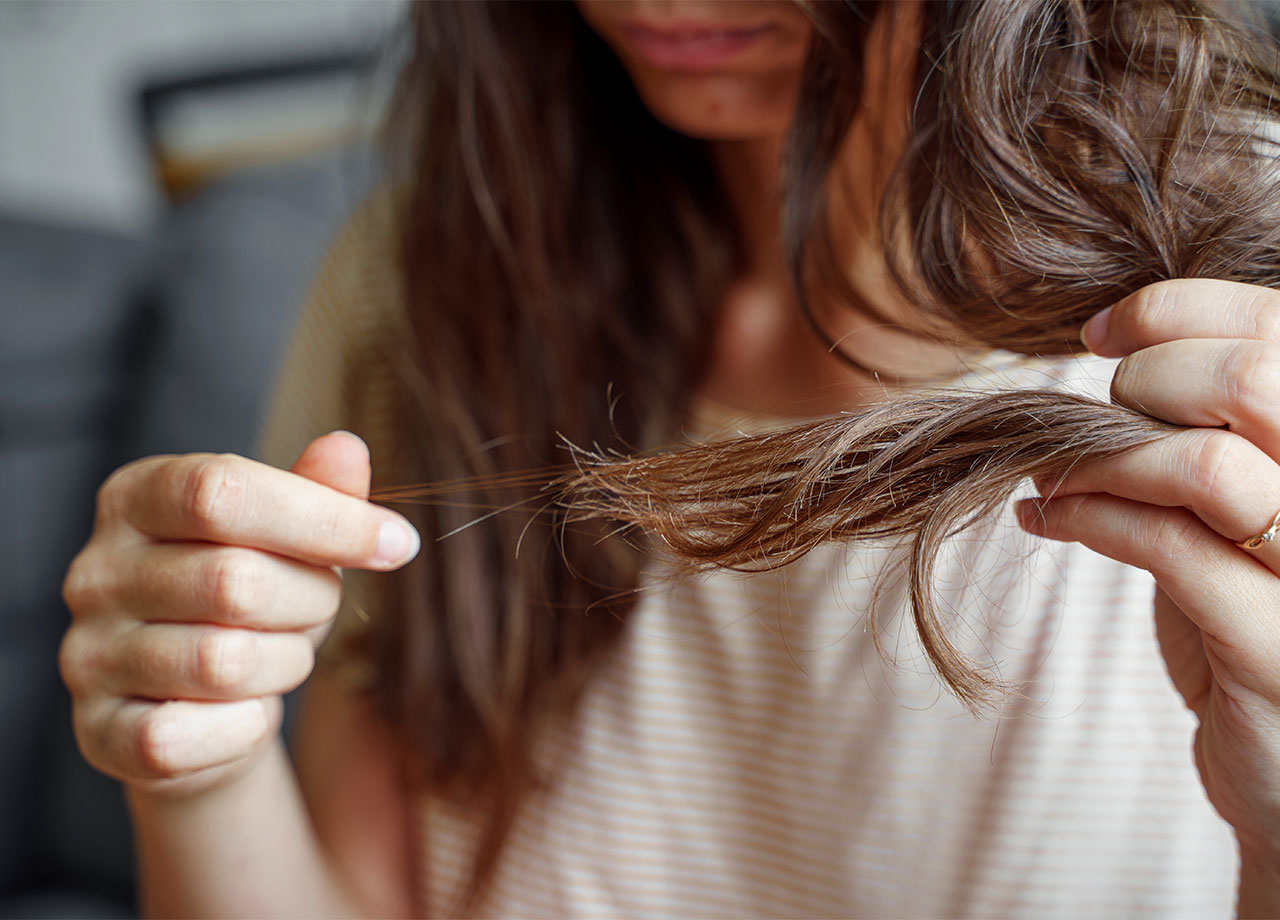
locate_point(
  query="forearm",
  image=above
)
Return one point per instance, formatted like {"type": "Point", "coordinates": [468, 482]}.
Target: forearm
{"type": "Point", "coordinates": [1259, 886]}
{"type": "Point", "coordinates": [246, 849]}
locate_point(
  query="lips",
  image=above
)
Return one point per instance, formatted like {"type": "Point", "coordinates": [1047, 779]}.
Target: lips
{"type": "Point", "coordinates": [692, 47]}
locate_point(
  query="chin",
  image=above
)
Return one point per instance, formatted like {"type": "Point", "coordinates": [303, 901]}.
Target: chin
{"type": "Point", "coordinates": [726, 108]}
{"type": "Point", "coordinates": [727, 70]}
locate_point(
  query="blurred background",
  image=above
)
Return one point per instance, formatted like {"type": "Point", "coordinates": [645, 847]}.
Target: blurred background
{"type": "Point", "coordinates": [170, 174]}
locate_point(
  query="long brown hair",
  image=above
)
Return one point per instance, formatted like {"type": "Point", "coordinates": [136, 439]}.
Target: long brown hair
{"type": "Point", "coordinates": [564, 254]}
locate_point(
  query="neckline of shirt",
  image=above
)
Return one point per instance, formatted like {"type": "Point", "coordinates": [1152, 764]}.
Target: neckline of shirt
{"type": "Point", "coordinates": [710, 419]}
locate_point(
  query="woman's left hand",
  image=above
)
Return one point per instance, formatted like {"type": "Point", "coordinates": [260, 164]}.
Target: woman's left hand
{"type": "Point", "coordinates": [1204, 354]}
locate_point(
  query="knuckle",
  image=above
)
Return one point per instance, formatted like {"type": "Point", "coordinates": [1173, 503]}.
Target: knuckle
{"type": "Point", "coordinates": [1123, 380]}
{"type": "Point", "coordinates": [77, 657]}
{"type": "Point", "coordinates": [225, 661]}
{"type": "Point", "coordinates": [1147, 310]}
{"type": "Point", "coordinates": [110, 497]}
{"type": "Point", "coordinates": [1253, 377]}
{"type": "Point", "coordinates": [84, 590]}
{"type": "Point", "coordinates": [1266, 321]}
{"type": "Point", "coordinates": [213, 492]}
{"type": "Point", "coordinates": [156, 741]}
{"type": "Point", "coordinates": [236, 585]}
{"type": "Point", "coordinates": [1211, 458]}
{"type": "Point", "coordinates": [96, 741]}
{"type": "Point", "coordinates": [85, 731]}
{"type": "Point", "coordinates": [117, 489]}
{"type": "Point", "coordinates": [1172, 541]}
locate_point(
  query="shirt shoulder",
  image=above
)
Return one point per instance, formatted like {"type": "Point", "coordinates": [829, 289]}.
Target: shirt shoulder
{"type": "Point", "coordinates": [353, 302]}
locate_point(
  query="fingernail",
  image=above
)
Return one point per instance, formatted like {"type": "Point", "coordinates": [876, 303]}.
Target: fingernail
{"type": "Point", "coordinates": [398, 542]}
{"type": "Point", "coordinates": [1094, 333]}
{"type": "Point", "coordinates": [351, 436]}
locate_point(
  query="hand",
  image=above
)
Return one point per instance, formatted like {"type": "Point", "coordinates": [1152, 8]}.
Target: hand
{"type": "Point", "coordinates": [1204, 354]}
{"type": "Point", "coordinates": [200, 599]}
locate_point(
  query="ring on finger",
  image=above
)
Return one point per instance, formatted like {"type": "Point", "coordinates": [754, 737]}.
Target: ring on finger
{"type": "Point", "coordinates": [1266, 536]}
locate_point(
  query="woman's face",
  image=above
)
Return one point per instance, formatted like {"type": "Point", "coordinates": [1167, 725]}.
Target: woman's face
{"type": "Point", "coordinates": [712, 69]}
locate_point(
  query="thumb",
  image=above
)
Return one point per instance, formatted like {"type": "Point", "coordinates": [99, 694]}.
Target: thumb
{"type": "Point", "coordinates": [339, 460]}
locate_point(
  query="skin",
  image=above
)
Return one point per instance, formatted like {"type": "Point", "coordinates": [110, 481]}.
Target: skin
{"type": "Point", "coordinates": [208, 581]}
{"type": "Point", "coordinates": [750, 97]}
{"type": "Point", "coordinates": [1204, 354]}
{"type": "Point", "coordinates": [197, 602]}
{"type": "Point", "coordinates": [764, 355]}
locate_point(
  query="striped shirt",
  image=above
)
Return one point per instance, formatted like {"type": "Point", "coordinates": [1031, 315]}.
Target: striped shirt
{"type": "Point", "coordinates": [749, 751]}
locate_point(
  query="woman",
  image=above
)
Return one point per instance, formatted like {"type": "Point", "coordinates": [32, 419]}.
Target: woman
{"type": "Point", "coordinates": [590, 252]}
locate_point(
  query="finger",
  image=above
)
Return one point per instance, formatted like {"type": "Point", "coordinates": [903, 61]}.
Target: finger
{"type": "Point", "coordinates": [138, 740]}
{"type": "Point", "coordinates": [1231, 485]}
{"type": "Point", "coordinates": [231, 500]}
{"type": "Point", "coordinates": [228, 585]}
{"type": "Point", "coordinates": [1186, 308]}
{"type": "Point", "coordinates": [165, 661]}
{"type": "Point", "coordinates": [1182, 647]}
{"type": "Point", "coordinates": [1208, 383]}
{"type": "Point", "coordinates": [1232, 602]}
{"type": "Point", "coordinates": [339, 460]}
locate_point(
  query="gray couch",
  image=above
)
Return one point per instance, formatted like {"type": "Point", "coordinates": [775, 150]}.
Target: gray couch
{"type": "Point", "coordinates": [113, 348]}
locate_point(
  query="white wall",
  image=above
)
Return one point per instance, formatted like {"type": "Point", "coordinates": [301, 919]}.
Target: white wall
{"type": "Point", "coordinates": [69, 143]}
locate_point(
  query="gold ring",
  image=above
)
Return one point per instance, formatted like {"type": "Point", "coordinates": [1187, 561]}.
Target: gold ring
{"type": "Point", "coordinates": [1265, 537]}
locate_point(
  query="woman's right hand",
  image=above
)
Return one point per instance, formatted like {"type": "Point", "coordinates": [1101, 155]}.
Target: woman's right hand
{"type": "Point", "coordinates": [200, 598]}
